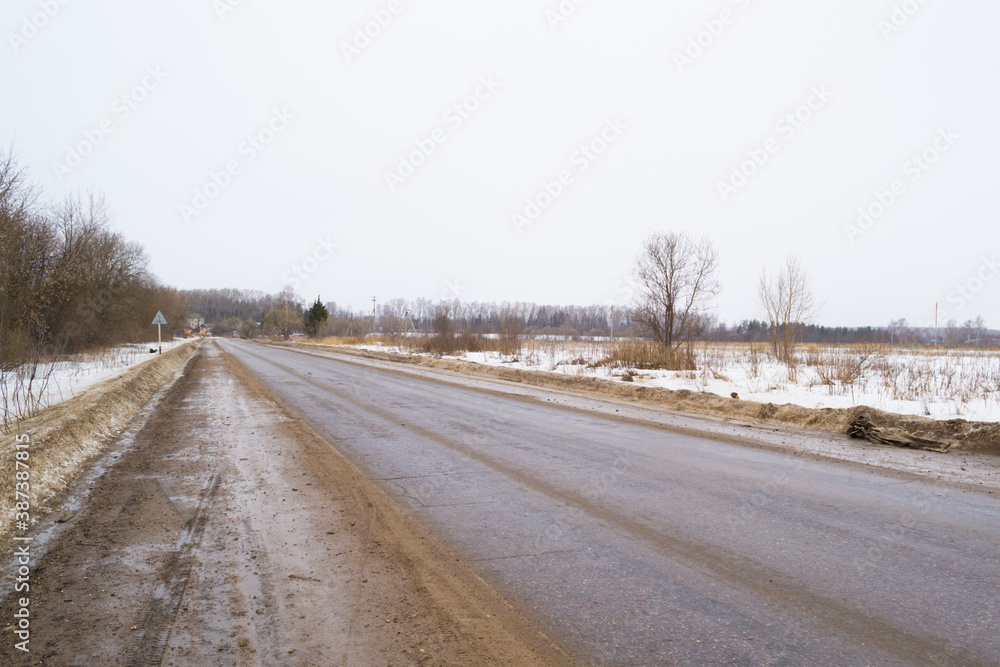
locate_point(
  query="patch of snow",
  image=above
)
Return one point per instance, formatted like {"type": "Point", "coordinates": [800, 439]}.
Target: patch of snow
{"type": "Point", "coordinates": [59, 381]}
{"type": "Point", "coordinates": [946, 384]}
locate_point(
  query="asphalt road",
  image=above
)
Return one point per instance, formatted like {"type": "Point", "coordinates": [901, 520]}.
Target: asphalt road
{"type": "Point", "coordinates": [632, 544]}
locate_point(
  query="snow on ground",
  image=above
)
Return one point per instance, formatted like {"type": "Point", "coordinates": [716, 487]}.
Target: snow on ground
{"type": "Point", "coordinates": [70, 376]}
{"type": "Point", "coordinates": [948, 384]}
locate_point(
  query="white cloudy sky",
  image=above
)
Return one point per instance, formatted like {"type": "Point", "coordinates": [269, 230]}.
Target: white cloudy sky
{"type": "Point", "coordinates": [448, 227]}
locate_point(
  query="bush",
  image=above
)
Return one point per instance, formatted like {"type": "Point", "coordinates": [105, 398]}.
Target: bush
{"type": "Point", "coordinates": [443, 341]}
{"type": "Point", "coordinates": [648, 355]}
{"type": "Point", "coordinates": [510, 335]}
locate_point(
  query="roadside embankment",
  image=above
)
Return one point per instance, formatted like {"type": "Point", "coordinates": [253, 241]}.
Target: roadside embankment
{"type": "Point", "coordinates": [66, 437]}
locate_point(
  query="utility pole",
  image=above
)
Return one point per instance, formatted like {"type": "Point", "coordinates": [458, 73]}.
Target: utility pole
{"type": "Point", "coordinates": [371, 320]}
{"type": "Point", "coordinates": [935, 326]}
{"type": "Point", "coordinates": [402, 323]}
{"type": "Point", "coordinates": [612, 323]}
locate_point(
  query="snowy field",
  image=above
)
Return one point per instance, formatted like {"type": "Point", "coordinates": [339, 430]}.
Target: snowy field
{"type": "Point", "coordinates": [948, 384]}
{"type": "Point", "coordinates": [21, 394]}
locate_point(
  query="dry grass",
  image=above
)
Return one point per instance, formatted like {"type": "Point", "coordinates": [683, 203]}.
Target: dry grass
{"type": "Point", "coordinates": [508, 343]}
{"type": "Point", "coordinates": [632, 353]}
{"type": "Point", "coordinates": [338, 340]}
{"type": "Point", "coordinates": [842, 367]}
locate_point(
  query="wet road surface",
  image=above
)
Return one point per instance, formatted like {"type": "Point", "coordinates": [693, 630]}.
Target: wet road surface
{"type": "Point", "coordinates": [633, 544]}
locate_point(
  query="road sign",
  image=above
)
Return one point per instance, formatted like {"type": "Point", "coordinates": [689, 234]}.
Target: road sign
{"type": "Point", "coordinates": [159, 321]}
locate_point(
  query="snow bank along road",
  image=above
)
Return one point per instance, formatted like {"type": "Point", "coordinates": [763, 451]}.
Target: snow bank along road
{"type": "Point", "coordinates": [633, 544]}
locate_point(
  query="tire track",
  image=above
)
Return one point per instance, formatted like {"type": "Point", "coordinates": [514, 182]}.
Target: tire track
{"type": "Point", "coordinates": [265, 624]}
{"type": "Point", "coordinates": [154, 631]}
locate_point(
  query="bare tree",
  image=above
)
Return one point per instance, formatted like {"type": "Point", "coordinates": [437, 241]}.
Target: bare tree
{"type": "Point", "coordinates": [392, 315]}
{"type": "Point", "coordinates": [789, 303]}
{"type": "Point", "coordinates": [18, 196]}
{"type": "Point", "coordinates": [898, 331]}
{"type": "Point", "coordinates": [443, 341]}
{"type": "Point", "coordinates": [677, 276]}
{"type": "Point", "coordinates": [979, 326]}
{"type": "Point", "coordinates": [973, 331]}
{"type": "Point", "coordinates": [951, 332]}
{"type": "Point", "coordinates": [284, 316]}
{"type": "Point", "coordinates": [510, 329]}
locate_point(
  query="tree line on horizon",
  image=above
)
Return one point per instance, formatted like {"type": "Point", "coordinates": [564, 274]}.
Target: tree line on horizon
{"type": "Point", "coordinates": [249, 313]}
{"type": "Point", "coordinates": [676, 281]}
{"type": "Point", "coordinates": [70, 283]}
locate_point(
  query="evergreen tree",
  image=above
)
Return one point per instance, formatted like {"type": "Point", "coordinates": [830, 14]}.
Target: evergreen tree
{"type": "Point", "coordinates": [315, 317]}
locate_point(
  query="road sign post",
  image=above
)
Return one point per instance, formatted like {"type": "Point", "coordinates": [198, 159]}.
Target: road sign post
{"type": "Point", "coordinates": [159, 321]}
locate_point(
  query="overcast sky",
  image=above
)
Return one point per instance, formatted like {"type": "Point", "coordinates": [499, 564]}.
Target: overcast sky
{"type": "Point", "coordinates": [252, 144]}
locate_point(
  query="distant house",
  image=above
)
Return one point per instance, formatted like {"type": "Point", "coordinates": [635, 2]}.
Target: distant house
{"type": "Point", "coordinates": [196, 321]}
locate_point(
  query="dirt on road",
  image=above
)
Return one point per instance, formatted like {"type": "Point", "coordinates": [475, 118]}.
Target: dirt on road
{"type": "Point", "coordinates": [226, 532]}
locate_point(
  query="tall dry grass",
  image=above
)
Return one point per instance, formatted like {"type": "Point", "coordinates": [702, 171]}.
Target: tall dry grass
{"type": "Point", "coordinates": [633, 353]}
